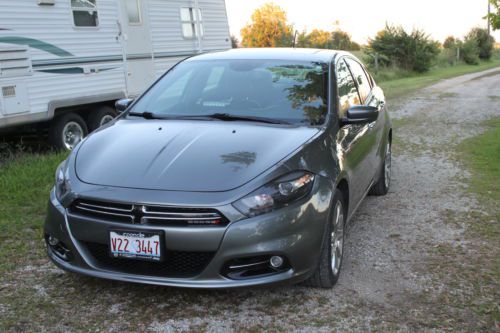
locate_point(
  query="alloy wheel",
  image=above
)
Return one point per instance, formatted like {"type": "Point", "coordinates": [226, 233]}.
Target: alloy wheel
{"type": "Point", "coordinates": [337, 238]}
{"type": "Point", "coordinates": [387, 166]}
{"type": "Point", "coordinates": [72, 134]}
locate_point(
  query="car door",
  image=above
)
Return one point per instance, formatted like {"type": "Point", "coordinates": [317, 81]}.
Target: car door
{"type": "Point", "coordinates": [374, 130]}
{"type": "Point", "coordinates": [353, 139]}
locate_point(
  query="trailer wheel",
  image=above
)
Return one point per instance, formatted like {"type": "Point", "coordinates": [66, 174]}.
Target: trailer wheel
{"type": "Point", "coordinates": [100, 116]}
{"type": "Point", "coordinates": [67, 131]}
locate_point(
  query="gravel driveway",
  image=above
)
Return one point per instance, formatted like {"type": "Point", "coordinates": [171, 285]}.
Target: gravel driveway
{"type": "Point", "coordinates": [407, 261]}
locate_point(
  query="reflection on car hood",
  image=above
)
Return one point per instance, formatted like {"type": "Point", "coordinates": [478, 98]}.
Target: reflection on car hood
{"type": "Point", "coordinates": [184, 155]}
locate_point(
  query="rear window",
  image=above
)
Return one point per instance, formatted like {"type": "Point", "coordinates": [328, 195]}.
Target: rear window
{"type": "Point", "coordinates": [295, 92]}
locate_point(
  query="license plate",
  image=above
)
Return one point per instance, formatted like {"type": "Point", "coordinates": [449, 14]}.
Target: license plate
{"type": "Point", "coordinates": [135, 245]}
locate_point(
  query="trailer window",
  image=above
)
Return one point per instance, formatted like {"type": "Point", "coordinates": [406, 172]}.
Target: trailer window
{"type": "Point", "coordinates": [190, 17]}
{"type": "Point", "coordinates": [85, 13]}
{"type": "Point", "coordinates": [133, 11]}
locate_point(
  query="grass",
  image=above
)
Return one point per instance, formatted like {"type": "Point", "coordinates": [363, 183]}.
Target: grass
{"type": "Point", "coordinates": [25, 183]}
{"type": "Point", "coordinates": [481, 154]}
{"type": "Point", "coordinates": [396, 87]}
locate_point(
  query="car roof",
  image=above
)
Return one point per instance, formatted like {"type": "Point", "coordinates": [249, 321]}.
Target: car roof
{"type": "Point", "coordinates": [296, 54]}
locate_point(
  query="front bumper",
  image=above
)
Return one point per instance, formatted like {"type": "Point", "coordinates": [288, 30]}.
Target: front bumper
{"type": "Point", "coordinates": [295, 232]}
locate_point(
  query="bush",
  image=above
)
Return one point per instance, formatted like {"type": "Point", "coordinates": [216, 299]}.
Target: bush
{"type": "Point", "coordinates": [448, 56]}
{"type": "Point", "coordinates": [483, 41]}
{"type": "Point", "coordinates": [414, 51]}
{"type": "Point", "coordinates": [469, 52]}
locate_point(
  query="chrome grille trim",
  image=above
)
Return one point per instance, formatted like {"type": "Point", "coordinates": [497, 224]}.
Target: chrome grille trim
{"type": "Point", "coordinates": [148, 214]}
{"type": "Point", "coordinates": [105, 207]}
{"type": "Point", "coordinates": [181, 214]}
{"type": "Point", "coordinates": [102, 212]}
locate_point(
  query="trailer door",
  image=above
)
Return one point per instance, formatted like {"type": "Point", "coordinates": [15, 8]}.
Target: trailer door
{"type": "Point", "coordinates": [138, 51]}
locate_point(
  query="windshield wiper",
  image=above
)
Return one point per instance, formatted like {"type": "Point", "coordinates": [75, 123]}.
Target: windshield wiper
{"type": "Point", "coordinates": [218, 116]}
{"type": "Point", "coordinates": [230, 117]}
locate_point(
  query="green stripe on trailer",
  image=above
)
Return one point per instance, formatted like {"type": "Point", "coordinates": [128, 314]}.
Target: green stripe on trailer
{"type": "Point", "coordinates": [37, 44]}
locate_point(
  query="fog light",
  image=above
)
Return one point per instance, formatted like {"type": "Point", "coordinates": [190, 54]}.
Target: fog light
{"type": "Point", "coordinates": [276, 261]}
{"type": "Point", "coordinates": [53, 241]}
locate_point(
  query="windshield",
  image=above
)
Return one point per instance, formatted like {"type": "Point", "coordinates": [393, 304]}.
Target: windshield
{"type": "Point", "coordinates": [289, 91]}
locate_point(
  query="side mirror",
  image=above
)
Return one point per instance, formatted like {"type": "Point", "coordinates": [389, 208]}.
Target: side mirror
{"type": "Point", "coordinates": [123, 104]}
{"type": "Point", "coordinates": [360, 114]}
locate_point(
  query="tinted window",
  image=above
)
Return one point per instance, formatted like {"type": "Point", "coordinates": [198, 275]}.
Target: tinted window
{"type": "Point", "coordinates": [348, 94]}
{"type": "Point", "coordinates": [291, 91]}
{"type": "Point", "coordinates": [361, 78]}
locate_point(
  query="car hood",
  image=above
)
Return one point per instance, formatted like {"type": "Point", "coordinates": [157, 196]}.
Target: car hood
{"type": "Point", "coordinates": [184, 155]}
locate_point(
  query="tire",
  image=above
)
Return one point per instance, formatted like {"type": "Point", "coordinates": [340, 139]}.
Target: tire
{"type": "Point", "coordinates": [381, 187]}
{"type": "Point", "coordinates": [327, 272]}
{"type": "Point", "coordinates": [67, 131]}
{"type": "Point", "coordinates": [100, 116]}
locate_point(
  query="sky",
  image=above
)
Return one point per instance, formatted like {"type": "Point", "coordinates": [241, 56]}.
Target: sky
{"type": "Point", "coordinates": [363, 18]}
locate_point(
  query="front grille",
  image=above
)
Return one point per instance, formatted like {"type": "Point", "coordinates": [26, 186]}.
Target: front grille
{"type": "Point", "coordinates": [108, 211]}
{"type": "Point", "coordinates": [177, 264]}
{"type": "Point", "coordinates": [148, 214]}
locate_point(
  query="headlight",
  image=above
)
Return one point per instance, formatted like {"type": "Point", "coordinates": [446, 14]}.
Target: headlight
{"type": "Point", "coordinates": [62, 184]}
{"type": "Point", "coordinates": [276, 194]}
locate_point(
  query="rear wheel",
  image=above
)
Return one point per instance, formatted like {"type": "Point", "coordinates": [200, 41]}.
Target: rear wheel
{"type": "Point", "coordinates": [100, 116]}
{"type": "Point", "coordinates": [327, 272]}
{"type": "Point", "coordinates": [381, 187]}
{"type": "Point", "coordinates": [67, 131]}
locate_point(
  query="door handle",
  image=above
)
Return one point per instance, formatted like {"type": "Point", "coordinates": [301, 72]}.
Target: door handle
{"type": "Point", "coordinates": [119, 29]}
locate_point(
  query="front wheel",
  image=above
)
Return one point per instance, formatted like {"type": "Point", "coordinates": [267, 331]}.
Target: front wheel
{"type": "Point", "coordinates": [327, 272]}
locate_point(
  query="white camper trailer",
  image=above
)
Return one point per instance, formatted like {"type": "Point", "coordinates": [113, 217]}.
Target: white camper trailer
{"type": "Point", "coordinates": [65, 62]}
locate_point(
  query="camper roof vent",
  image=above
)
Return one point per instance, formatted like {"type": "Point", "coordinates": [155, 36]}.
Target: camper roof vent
{"type": "Point", "coordinates": [15, 61]}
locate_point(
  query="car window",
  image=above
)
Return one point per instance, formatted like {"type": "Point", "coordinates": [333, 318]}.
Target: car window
{"type": "Point", "coordinates": [360, 76]}
{"type": "Point", "coordinates": [347, 91]}
{"type": "Point", "coordinates": [292, 91]}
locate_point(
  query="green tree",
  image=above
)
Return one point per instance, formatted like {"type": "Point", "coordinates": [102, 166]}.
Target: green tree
{"type": "Point", "coordinates": [321, 39]}
{"type": "Point", "coordinates": [450, 42]}
{"type": "Point", "coordinates": [341, 40]}
{"type": "Point", "coordinates": [484, 42]}
{"type": "Point", "coordinates": [303, 39]}
{"type": "Point", "coordinates": [495, 15]}
{"type": "Point", "coordinates": [268, 28]}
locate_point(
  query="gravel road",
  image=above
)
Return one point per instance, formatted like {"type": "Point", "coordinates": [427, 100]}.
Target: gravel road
{"type": "Point", "coordinates": [404, 262]}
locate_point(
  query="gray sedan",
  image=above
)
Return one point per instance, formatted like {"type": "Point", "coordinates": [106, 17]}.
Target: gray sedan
{"type": "Point", "coordinates": [234, 169]}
